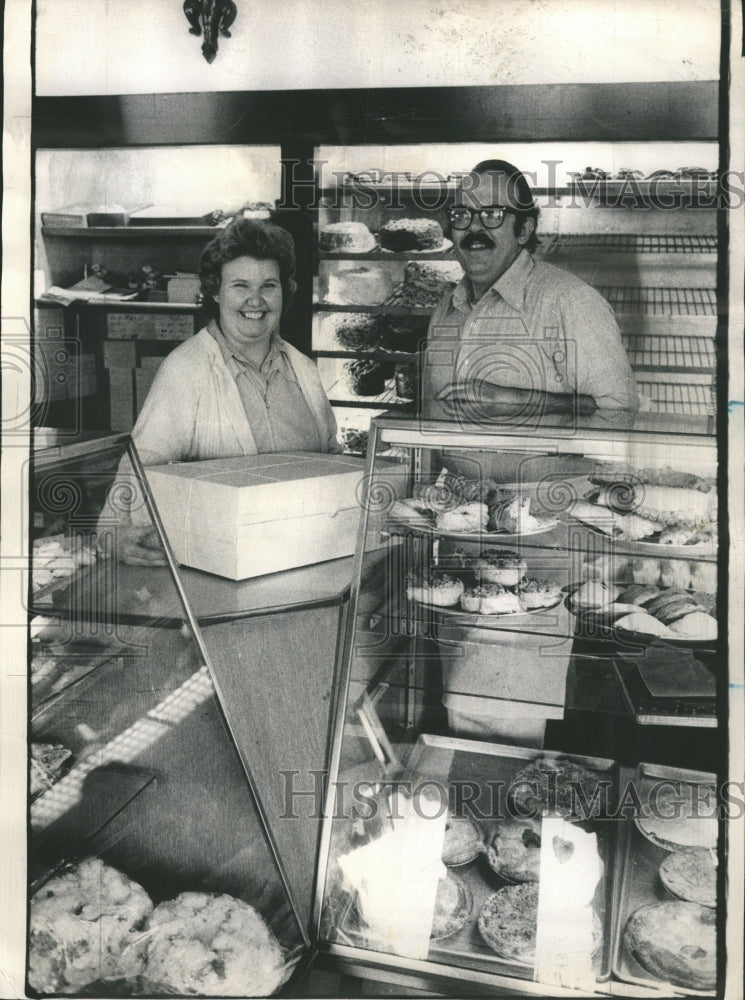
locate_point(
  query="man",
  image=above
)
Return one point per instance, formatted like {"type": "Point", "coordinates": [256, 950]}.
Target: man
{"type": "Point", "coordinates": [516, 339]}
{"type": "Point", "coordinates": [517, 333]}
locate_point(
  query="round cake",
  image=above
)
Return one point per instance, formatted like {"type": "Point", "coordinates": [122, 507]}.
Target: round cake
{"type": "Point", "coordinates": [201, 944]}
{"type": "Point", "coordinates": [425, 284]}
{"type": "Point", "coordinates": [500, 566]}
{"type": "Point", "coordinates": [407, 380]}
{"type": "Point", "coordinates": [462, 841]}
{"type": "Point", "coordinates": [411, 234]}
{"type": "Point", "coordinates": [366, 378]}
{"type": "Point", "coordinates": [404, 333]}
{"type": "Point", "coordinates": [691, 876]}
{"type": "Point", "coordinates": [346, 237]}
{"type": "Point", "coordinates": [556, 785]}
{"type": "Point", "coordinates": [85, 924]}
{"type": "Point", "coordinates": [514, 851]}
{"type": "Point", "coordinates": [508, 922]}
{"type": "Point", "coordinates": [358, 331]}
{"type": "Point", "coordinates": [675, 942]}
{"type": "Point", "coordinates": [360, 286]}
{"type": "Point", "coordinates": [452, 907]}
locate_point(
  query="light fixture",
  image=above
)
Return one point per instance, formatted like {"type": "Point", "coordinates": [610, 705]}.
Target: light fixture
{"type": "Point", "coordinates": [210, 18]}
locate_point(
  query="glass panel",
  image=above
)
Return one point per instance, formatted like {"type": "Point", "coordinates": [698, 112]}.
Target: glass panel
{"type": "Point", "coordinates": [151, 867]}
{"type": "Point", "coordinates": [495, 568]}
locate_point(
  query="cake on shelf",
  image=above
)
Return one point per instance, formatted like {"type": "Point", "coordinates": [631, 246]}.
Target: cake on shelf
{"type": "Point", "coordinates": [404, 333]}
{"type": "Point", "coordinates": [346, 237]}
{"type": "Point", "coordinates": [366, 378]}
{"type": "Point", "coordinates": [425, 284]}
{"type": "Point", "coordinates": [359, 331]}
{"type": "Point", "coordinates": [411, 234]}
{"type": "Point", "coordinates": [359, 286]}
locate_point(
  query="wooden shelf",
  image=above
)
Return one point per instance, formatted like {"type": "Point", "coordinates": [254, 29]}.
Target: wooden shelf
{"type": "Point", "coordinates": [129, 232]}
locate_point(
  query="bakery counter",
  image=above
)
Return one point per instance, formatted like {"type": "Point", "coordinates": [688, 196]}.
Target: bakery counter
{"type": "Point", "coordinates": [272, 645]}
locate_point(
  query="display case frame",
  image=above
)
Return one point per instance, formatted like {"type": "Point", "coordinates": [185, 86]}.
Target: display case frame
{"type": "Point", "coordinates": [386, 758]}
{"type": "Point", "coordinates": [132, 718]}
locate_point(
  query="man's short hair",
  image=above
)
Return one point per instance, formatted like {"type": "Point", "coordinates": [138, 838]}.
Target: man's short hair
{"type": "Point", "coordinates": [520, 193]}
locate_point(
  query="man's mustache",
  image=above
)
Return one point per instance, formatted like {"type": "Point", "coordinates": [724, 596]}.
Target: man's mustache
{"type": "Point", "coordinates": [476, 239]}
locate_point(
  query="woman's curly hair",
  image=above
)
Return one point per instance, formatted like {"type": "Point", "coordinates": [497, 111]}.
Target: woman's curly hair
{"type": "Point", "coordinates": [247, 238]}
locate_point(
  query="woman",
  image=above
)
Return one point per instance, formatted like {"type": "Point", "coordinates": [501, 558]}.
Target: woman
{"type": "Point", "coordinates": [236, 387]}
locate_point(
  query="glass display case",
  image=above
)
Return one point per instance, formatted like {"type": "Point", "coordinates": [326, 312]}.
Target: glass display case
{"type": "Point", "coordinates": [151, 865]}
{"type": "Point", "coordinates": [491, 564]}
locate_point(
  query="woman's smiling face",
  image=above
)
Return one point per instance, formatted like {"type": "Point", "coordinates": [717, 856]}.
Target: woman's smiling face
{"type": "Point", "coordinates": [250, 302]}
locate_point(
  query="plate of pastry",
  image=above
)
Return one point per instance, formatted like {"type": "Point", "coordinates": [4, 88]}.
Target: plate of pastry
{"type": "Point", "coordinates": [652, 510]}
{"type": "Point", "coordinates": [642, 612]}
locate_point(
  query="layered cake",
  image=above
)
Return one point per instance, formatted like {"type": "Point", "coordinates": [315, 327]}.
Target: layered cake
{"type": "Point", "coordinates": [407, 380]}
{"type": "Point", "coordinates": [425, 284]}
{"type": "Point", "coordinates": [404, 333]}
{"type": "Point", "coordinates": [360, 286]}
{"type": "Point", "coordinates": [411, 234]}
{"type": "Point", "coordinates": [366, 378]}
{"type": "Point", "coordinates": [346, 237]}
{"type": "Point", "coordinates": [358, 331]}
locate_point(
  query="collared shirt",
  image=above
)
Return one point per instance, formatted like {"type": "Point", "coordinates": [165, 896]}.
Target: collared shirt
{"type": "Point", "coordinates": [537, 327]}
{"type": "Point", "coordinates": [277, 411]}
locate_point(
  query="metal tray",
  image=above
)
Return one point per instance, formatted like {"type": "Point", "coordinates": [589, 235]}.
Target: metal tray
{"type": "Point", "coordinates": [446, 760]}
{"type": "Point", "coordinates": [639, 862]}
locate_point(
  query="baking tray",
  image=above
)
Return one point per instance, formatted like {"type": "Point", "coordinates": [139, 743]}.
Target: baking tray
{"type": "Point", "coordinates": [639, 881]}
{"type": "Point", "coordinates": [446, 760]}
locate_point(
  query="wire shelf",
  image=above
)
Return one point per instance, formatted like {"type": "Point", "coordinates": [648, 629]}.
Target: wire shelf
{"type": "Point", "coordinates": [670, 352]}
{"type": "Point", "coordinates": [661, 301]}
{"type": "Point", "coordinates": [679, 398]}
{"type": "Point", "coordinates": [630, 243]}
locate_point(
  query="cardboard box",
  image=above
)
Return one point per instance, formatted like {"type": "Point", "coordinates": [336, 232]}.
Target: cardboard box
{"type": "Point", "coordinates": [119, 354]}
{"type": "Point", "coordinates": [143, 381]}
{"type": "Point", "coordinates": [121, 398]}
{"type": "Point", "coordinates": [253, 515]}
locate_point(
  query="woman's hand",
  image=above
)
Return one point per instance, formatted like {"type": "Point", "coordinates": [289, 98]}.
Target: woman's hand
{"type": "Point", "coordinates": [139, 547]}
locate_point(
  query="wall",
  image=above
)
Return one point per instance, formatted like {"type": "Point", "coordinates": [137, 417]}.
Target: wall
{"type": "Point", "coordinates": [143, 46]}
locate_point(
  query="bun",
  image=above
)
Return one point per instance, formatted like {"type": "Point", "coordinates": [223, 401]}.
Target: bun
{"type": "Point", "coordinates": [439, 589]}
{"type": "Point", "coordinates": [500, 566]}
{"type": "Point", "coordinates": [595, 594]}
{"type": "Point", "coordinates": [696, 625]}
{"type": "Point", "coordinates": [642, 622]}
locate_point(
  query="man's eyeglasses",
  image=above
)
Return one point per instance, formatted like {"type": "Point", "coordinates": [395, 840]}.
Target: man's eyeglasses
{"type": "Point", "coordinates": [491, 217]}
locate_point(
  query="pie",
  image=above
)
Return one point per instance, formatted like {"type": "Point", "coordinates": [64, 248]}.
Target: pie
{"type": "Point", "coordinates": [514, 851]}
{"type": "Point", "coordinates": [452, 907]}
{"type": "Point", "coordinates": [558, 785]}
{"type": "Point", "coordinates": [675, 942]}
{"type": "Point", "coordinates": [691, 876]}
{"type": "Point", "coordinates": [508, 922]}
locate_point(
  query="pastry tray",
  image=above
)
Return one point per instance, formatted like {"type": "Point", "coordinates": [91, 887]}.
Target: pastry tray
{"type": "Point", "coordinates": [639, 861]}
{"type": "Point", "coordinates": [446, 760]}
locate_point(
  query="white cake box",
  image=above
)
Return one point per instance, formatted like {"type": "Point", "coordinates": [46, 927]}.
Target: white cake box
{"type": "Point", "coordinates": [253, 515]}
